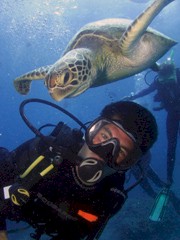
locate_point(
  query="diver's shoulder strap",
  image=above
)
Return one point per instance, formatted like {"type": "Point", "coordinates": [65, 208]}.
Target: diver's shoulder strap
{"type": "Point", "coordinates": [67, 137]}
{"type": "Point", "coordinates": [62, 137]}
{"type": "Point", "coordinates": [57, 129]}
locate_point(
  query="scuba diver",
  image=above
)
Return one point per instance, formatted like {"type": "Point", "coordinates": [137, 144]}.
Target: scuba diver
{"type": "Point", "coordinates": [167, 84]}
{"type": "Point", "coordinates": [69, 184]}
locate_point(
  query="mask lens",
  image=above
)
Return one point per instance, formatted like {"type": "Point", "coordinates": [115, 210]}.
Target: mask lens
{"type": "Point", "coordinates": [99, 132]}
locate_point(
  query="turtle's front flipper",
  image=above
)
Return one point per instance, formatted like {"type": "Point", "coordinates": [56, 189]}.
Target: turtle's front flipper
{"type": "Point", "coordinates": [22, 83]}
{"type": "Point", "coordinates": [140, 24]}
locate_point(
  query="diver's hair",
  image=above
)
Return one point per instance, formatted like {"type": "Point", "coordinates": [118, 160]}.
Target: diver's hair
{"type": "Point", "coordinates": [135, 119]}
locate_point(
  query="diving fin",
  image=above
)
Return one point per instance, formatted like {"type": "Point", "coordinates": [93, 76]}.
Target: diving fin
{"type": "Point", "coordinates": [159, 206]}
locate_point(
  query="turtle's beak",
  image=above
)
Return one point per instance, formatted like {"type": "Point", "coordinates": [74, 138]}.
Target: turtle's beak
{"type": "Point", "coordinates": [59, 93]}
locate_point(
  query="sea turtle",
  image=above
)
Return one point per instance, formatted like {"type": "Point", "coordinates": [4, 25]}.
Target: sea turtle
{"type": "Point", "coordinates": [103, 52]}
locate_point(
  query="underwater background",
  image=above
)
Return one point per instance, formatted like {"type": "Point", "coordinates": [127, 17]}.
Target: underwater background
{"type": "Point", "coordinates": [34, 34]}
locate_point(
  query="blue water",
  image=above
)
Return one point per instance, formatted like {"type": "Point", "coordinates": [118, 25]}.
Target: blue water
{"type": "Point", "coordinates": [35, 33]}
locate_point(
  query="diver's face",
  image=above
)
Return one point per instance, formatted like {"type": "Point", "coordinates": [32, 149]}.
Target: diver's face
{"type": "Point", "coordinates": [106, 133]}
{"type": "Point", "coordinates": [110, 131]}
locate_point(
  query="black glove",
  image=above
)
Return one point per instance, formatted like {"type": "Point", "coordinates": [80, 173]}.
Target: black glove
{"type": "Point", "coordinates": [18, 194]}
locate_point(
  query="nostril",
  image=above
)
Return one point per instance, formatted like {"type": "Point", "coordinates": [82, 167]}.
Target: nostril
{"type": "Point", "coordinates": [75, 82]}
{"type": "Point", "coordinates": [51, 81]}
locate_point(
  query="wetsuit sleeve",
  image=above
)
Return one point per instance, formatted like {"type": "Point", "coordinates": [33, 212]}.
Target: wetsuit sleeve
{"type": "Point", "coordinates": [2, 224]}
{"type": "Point", "coordinates": [46, 154]}
{"type": "Point", "coordinates": [2, 219]}
{"type": "Point", "coordinates": [25, 154]}
{"type": "Point", "coordinates": [7, 174]}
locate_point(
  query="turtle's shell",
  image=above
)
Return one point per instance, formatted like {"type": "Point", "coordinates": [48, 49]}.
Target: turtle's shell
{"type": "Point", "coordinates": [97, 34]}
{"type": "Point", "coordinates": [104, 37]}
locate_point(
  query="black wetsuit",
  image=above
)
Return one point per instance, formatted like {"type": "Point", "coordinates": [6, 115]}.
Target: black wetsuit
{"type": "Point", "coordinates": [169, 96]}
{"type": "Point", "coordinates": [59, 203]}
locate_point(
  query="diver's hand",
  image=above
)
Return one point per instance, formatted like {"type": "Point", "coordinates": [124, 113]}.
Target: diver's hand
{"type": "Point", "coordinates": [128, 98]}
{"type": "Point", "coordinates": [19, 194]}
{"type": "Point", "coordinates": [3, 235]}
{"type": "Point", "coordinates": [158, 108]}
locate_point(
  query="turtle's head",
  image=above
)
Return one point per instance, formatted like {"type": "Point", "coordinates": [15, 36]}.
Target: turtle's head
{"type": "Point", "coordinates": [69, 76]}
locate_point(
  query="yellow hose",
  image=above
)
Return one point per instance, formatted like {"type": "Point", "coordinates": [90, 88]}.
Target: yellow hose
{"type": "Point", "coordinates": [33, 165]}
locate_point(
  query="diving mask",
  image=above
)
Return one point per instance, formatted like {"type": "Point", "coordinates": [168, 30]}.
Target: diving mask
{"type": "Point", "coordinates": [102, 141]}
